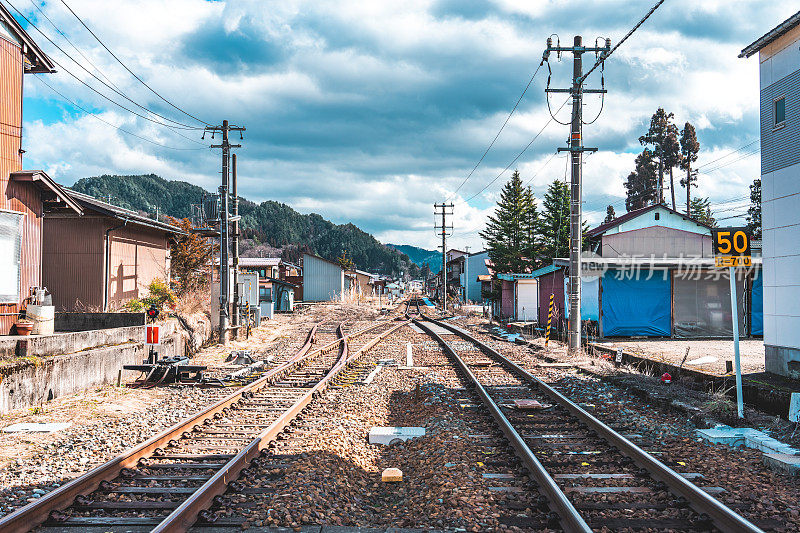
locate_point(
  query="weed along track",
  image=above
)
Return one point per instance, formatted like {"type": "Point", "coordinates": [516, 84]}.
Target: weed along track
{"type": "Point", "coordinates": [177, 478]}
{"type": "Point", "coordinates": [591, 474]}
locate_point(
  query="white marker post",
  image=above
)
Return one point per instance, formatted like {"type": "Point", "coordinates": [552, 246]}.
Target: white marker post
{"type": "Point", "coordinates": [409, 356]}
{"type": "Point", "coordinates": [736, 358]}
{"type": "Point", "coordinates": [731, 249]}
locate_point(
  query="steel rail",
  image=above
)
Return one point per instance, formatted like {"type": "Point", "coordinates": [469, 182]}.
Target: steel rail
{"type": "Point", "coordinates": [570, 519]}
{"type": "Point", "coordinates": [28, 517]}
{"type": "Point", "coordinates": [184, 517]}
{"type": "Point", "coordinates": [722, 516]}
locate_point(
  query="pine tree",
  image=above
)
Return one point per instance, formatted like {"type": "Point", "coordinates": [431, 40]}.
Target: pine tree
{"type": "Point", "coordinates": [689, 150]}
{"type": "Point", "coordinates": [754, 211]}
{"type": "Point", "coordinates": [658, 136]}
{"type": "Point", "coordinates": [640, 186]}
{"type": "Point", "coordinates": [509, 232]}
{"type": "Point", "coordinates": [555, 221]}
{"type": "Point", "coordinates": [701, 211]}
{"type": "Point", "coordinates": [610, 214]}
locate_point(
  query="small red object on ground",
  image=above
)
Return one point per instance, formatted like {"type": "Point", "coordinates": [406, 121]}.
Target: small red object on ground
{"type": "Point", "coordinates": [666, 379]}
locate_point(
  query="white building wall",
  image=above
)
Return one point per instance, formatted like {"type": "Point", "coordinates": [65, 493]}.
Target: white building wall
{"type": "Point", "coordinates": [322, 281]}
{"type": "Point", "coordinates": [780, 212]}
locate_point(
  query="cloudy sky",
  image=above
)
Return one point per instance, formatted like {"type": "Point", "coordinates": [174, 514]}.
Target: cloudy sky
{"type": "Point", "coordinates": [369, 112]}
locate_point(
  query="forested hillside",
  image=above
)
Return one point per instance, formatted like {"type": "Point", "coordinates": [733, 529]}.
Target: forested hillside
{"type": "Point", "coordinates": [420, 256]}
{"type": "Point", "coordinates": [269, 222]}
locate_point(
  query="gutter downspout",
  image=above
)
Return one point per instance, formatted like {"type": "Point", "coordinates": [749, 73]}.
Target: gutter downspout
{"type": "Point", "coordinates": [107, 270]}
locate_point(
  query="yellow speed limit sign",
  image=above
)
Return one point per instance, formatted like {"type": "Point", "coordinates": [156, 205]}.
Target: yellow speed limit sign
{"type": "Point", "coordinates": [731, 247]}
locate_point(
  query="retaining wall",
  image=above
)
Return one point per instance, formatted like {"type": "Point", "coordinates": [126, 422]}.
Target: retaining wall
{"type": "Point", "coordinates": [48, 367]}
{"type": "Point", "coordinates": [67, 322]}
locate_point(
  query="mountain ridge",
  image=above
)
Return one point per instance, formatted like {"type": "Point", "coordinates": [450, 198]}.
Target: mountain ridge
{"type": "Point", "coordinates": [269, 224]}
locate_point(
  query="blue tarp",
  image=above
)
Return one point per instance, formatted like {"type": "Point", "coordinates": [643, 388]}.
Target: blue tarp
{"type": "Point", "coordinates": [590, 297]}
{"type": "Point", "coordinates": [636, 307]}
{"type": "Point", "coordinates": [757, 311]}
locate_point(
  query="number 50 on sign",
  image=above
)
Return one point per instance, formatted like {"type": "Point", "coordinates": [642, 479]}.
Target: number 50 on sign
{"type": "Point", "coordinates": [731, 247]}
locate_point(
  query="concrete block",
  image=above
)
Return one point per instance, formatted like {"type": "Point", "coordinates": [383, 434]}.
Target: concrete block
{"type": "Point", "coordinates": [36, 427]}
{"type": "Point", "coordinates": [394, 434]}
{"type": "Point", "coordinates": [392, 475]}
{"type": "Point", "coordinates": [783, 461]}
{"type": "Point", "coordinates": [751, 438]}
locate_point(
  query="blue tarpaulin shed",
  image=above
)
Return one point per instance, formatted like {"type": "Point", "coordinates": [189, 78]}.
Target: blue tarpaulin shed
{"type": "Point", "coordinates": [636, 307]}
{"type": "Point", "coordinates": [757, 310]}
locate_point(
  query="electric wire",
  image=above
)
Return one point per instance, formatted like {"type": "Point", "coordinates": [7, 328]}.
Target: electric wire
{"type": "Point", "coordinates": [748, 145]}
{"type": "Point", "coordinates": [65, 69]}
{"type": "Point", "coordinates": [64, 35]}
{"type": "Point", "coordinates": [627, 35]}
{"type": "Point", "coordinates": [129, 70]}
{"type": "Point", "coordinates": [498, 133]}
{"type": "Point", "coordinates": [123, 130]}
{"type": "Point", "coordinates": [520, 154]}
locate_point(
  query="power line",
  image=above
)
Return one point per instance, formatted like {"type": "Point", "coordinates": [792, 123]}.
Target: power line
{"type": "Point", "coordinates": [64, 35]}
{"type": "Point", "coordinates": [515, 159]}
{"type": "Point", "coordinates": [632, 30]}
{"type": "Point", "coordinates": [748, 145]}
{"type": "Point", "coordinates": [722, 165]}
{"type": "Point", "coordinates": [109, 123]}
{"type": "Point", "coordinates": [129, 70]}
{"type": "Point", "coordinates": [499, 132]}
{"type": "Point", "coordinates": [173, 127]}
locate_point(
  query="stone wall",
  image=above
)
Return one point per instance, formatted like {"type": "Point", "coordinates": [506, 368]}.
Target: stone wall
{"type": "Point", "coordinates": [39, 369]}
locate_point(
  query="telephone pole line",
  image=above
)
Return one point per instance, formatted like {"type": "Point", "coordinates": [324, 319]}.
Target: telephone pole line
{"type": "Point", "coordinates": [446, 210]}
{"type": "Point", "coordinates": [576, 150]}
{"type": "Point", "coordinates": [224, 239]}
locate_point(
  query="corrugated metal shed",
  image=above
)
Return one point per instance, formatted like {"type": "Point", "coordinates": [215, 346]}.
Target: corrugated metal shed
{"type": "Point", "coordinates": [323, 280]}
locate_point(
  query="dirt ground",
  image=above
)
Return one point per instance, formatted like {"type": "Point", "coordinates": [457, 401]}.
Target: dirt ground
{"type": "Point", "coordinates": [704, 355]}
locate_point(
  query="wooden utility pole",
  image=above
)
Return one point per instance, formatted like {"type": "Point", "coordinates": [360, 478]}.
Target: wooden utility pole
{"type": "Point", "coordinates": [224, 240]}
{"type": "Point", "coordinates": [576, 150]}
{"type": "Point", "coordinates": [444, 234]}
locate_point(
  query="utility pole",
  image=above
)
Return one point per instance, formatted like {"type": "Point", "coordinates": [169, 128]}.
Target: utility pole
{"type": "Point", "coordinates": [444, 234]}
{"type": "Point", "coordinates": [235, 218]}
{"type": "Point", "coordinates": [224, 240]}
{"type": "Point", "coordinates": [576, 150]}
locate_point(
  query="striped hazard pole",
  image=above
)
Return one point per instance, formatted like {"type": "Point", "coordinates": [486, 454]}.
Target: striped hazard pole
{"type": "Point", "coordinates": [549, 320]}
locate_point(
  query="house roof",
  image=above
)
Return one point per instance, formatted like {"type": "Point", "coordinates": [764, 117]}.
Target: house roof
{"type": "Point", "coordinates": [772, 35]}
{"type": "Point", "coordinates": [90, 203]}
{"type": "Point", "coordinates": [36, 60]}
{"type": "Point", "coordinates": [46, 183]}
{"type": "Point", "coordinates": [321, 259]}
{"type": "Point", "coordinates": [630, 215]}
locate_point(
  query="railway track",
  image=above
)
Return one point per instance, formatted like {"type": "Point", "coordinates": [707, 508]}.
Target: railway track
{"type": "Point", "coordinates": [592, 476]}
{"type": "Point", "coordinates": [173, 481]}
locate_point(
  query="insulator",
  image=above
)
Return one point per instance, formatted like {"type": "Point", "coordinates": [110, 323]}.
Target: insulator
{"type": "Point", "coordinates": [608, 43]}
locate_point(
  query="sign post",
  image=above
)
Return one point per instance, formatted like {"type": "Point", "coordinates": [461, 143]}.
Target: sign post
{"type": "Point", "coordinates": [732, 249]}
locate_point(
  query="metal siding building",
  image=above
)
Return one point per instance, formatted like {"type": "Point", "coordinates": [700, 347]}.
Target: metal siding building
{"type": "Point", "coordinates": [476, 266]}
{"type": "Point", "coordinates": [323, 280]}
{"type": "Point", "coordinates": [779, 74]}
{"type": "Point", "coordinates": [22, 194]}
{"type": "Point", "coordinates": [105, 258]}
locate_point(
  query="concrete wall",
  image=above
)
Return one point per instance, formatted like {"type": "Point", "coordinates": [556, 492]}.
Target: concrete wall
{"type": "Point", "coordinates": [62, 364]}
{"type": "Point", "coordinates": [780, 197]}
{"type": "Point", "coordinates": [322, 280]}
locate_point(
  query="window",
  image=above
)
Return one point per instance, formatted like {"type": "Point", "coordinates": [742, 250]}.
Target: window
{"type": "Point", "coordinates": [780, 111]}
{"type": "Point", "coordinates": [658, 216]}
{"type": "Point", "coordinates": [11, 240]}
